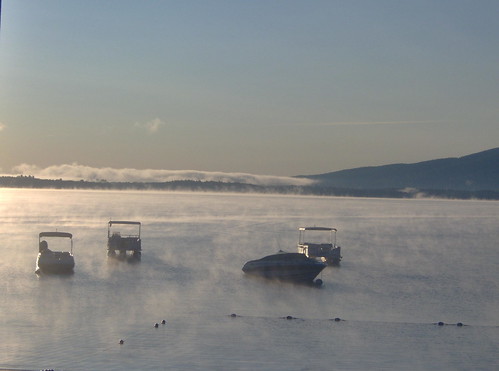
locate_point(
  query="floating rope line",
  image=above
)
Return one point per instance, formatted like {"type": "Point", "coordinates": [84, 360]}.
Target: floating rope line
{"type": "Point", "coordinates": [338, 319]}
{"type": "Point", "coordinates": [156, 325]}
{"type": "Point", "coordinates": [292, 318]}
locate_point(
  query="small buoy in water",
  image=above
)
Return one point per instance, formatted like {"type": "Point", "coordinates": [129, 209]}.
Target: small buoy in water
{"type": "Point", "coordinates": [337, 319]}
{"type": "Point", "coordinates": [440, 323]}
{"type": "Point", "coordinates": [156, 325]}
{"type": "Point", "coordinates": [163, 322]}
{"type": "Point", "coordinates": [289, 317]}
{"type": "Point", "coordinates": [233, 315]}
{"type": "Point", "coordinates": [459, 324]}
{"type": "Point", "coordinates": [122, 341]}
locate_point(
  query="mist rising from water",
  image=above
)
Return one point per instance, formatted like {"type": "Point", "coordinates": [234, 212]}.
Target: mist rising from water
{"type": "Point", "coordinates": [405, 261]}
{"type": "Point", "coordinates": [80, 172]}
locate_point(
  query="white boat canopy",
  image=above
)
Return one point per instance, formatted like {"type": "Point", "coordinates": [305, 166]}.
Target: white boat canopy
{"type": "Point", "coordinates": [111, 222]}
{"type": "Point", "coordinates": [317, 229]}
{"type": "Point", "coordinates": [55, 234]}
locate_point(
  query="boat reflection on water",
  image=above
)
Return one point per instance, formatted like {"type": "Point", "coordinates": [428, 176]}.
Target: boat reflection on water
{"type": "Point", "coordinates": [292, 267]}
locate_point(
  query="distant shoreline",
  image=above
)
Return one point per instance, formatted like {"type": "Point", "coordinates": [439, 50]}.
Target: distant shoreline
{"type": "Point", "coordinates": [22, 181]}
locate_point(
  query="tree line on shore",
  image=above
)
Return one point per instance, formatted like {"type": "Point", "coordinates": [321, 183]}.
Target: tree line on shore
{"type": "Point", "coordinates": [29, 181]}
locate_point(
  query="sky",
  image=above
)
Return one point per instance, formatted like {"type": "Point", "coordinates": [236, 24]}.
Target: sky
{"type": "Point", "coordinates": [276, 88]}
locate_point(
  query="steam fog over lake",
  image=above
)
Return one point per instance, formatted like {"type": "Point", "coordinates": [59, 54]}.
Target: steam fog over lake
{"type": "Point", "coordinates": [407, 265]}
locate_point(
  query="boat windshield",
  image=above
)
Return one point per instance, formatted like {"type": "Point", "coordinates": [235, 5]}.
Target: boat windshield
{"type": "Point", "coordinates": [56, 241]}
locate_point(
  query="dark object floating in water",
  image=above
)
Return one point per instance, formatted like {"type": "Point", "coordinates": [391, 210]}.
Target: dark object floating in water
{"type": "Point", "coordinates": [233, 315]}
{"type": "Point", "coordinates": [163, 322]}
{"type": "Point", "coordinates": [337, 319]}
{"type": "Point", "coordinates": [122, 341]}
{"type": "Point", "coordinates": [156, 325]}
{"type": "Point", "coordinates": [58, 262]}
{"type": "Point", "coordinates": [459, 324]}
{"type": "Point", "coordinates": [323, 246]}
{"type": "Point", "coordinates": [294, 267]}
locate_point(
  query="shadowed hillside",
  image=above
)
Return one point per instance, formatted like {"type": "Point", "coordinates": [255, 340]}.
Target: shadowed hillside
{"type": "Point", "coordinates": [476, 172]}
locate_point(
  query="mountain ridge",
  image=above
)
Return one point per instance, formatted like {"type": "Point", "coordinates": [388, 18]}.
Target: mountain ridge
{"type": "Point", "coordinates": [474, 172]}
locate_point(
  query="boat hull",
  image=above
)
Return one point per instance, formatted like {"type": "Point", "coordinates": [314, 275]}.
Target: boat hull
{"type": "Point", "coordinates": [55, 262]}
{"type": "Point", "coordinates": [291, 267]}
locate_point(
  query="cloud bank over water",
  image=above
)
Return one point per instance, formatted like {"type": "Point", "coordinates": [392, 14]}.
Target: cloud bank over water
{"type": "Point", "coordinates": [81, 172]}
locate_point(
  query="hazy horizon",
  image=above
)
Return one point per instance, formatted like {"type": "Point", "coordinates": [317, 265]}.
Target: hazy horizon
{"type": "Point", "coordinates": [78, 172]}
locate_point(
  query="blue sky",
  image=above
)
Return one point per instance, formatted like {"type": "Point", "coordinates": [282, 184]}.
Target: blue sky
{"type": "Point", "coordinates": [263, 87]}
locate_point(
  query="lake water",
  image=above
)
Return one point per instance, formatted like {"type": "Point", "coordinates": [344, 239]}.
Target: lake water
{"type": "Point", "coordinates": [407, 265]}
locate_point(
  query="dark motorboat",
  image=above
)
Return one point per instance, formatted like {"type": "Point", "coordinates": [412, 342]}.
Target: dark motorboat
{"type": "Point", "coordinates": [294, 267]}
{"type": "Point", "coordinates": [59, 262]}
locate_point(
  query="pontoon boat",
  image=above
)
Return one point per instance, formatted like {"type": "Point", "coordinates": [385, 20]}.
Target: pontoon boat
{"type": "Point", "coordinates": [49, 261]}
{"type": "Point", "coordinates": [128, 239]}
{"type": "Point", "coordinates": [323, 246]}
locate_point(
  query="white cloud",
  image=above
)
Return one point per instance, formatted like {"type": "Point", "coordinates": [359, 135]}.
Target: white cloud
{"type": "Point", "coordinates": [151, 126]}
{"type": "Point", "coordinates": [78, 172]}
{"type": "Point", "coordinates": [376, 123]}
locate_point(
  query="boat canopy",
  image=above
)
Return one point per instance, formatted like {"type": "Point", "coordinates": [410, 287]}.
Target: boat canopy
{"type": "Point", "coordinates": [111, 222]}
{"type": "Point", "coordinates": [55, 234]}
{"type": "Point", "coordinates": [317, 229]}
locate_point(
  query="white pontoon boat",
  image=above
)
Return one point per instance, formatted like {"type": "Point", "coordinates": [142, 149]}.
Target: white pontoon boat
{"type": "Point", "coordinates": [49, 261]}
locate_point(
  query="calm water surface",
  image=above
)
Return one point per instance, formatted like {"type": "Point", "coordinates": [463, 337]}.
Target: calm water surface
{"type": "Point", "coordinates": [408, 264]}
